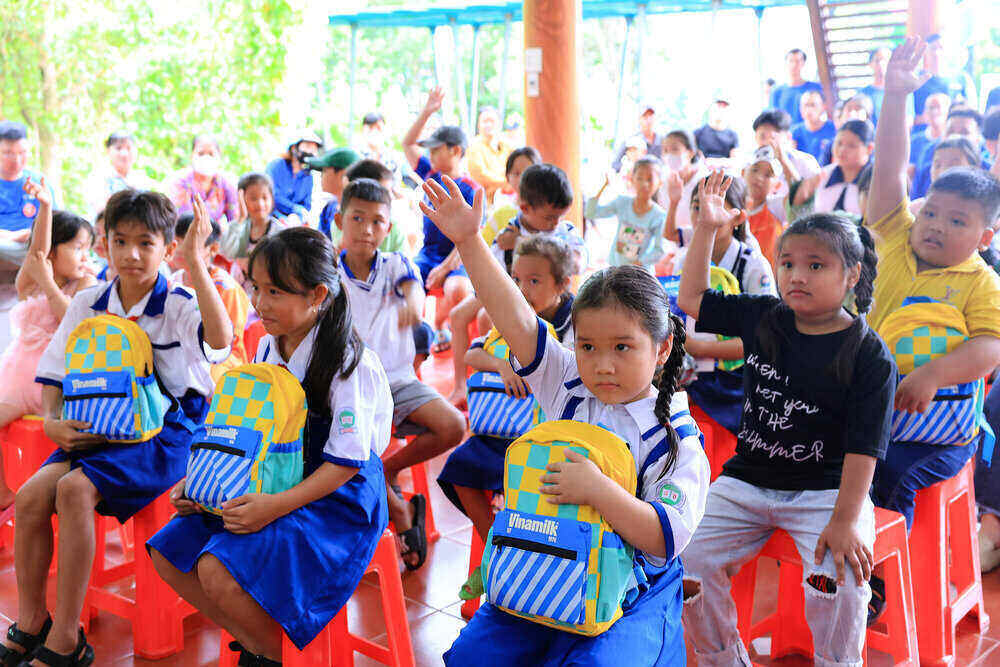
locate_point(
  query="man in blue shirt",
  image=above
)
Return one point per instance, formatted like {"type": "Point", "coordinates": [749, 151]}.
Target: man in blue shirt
{"type": "Point", "coordinates": [962, 122]}
{"type": "Point", "coordinates": [786, 97]}
{"type": "Point", "coordinates": [17, 209]}
{"type": "Point", "coordinates": [815, 128]}
{"type": "Point", "coordinates": [292, 178]}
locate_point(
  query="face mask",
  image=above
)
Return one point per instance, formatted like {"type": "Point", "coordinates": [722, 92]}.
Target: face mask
{"type": "Point", "coordinates": [206, 165]}
{"type": "Point", "coordinates": [674, 161]}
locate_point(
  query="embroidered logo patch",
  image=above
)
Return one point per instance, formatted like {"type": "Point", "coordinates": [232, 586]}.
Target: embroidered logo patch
{"type": "Point", "coordinates": [29, 210]}
{"type": "Point", "coordinates": [346, 421]}
{"type": "Point", "coordinates": [672, 495]}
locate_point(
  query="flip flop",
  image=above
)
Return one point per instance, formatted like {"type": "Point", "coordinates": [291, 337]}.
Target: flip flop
{"type": "Point", "coordinates": [877, 604]}
{"type": "Point", "coordinates": [415, 539]}
{"type": "Point", "coordinates": [473, 589]}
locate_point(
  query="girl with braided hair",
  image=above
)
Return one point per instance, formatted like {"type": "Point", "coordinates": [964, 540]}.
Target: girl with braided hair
{"type": "Point", "coordinates": [625, 337]}
{"type": "Point", "coordinates": [819, 386]}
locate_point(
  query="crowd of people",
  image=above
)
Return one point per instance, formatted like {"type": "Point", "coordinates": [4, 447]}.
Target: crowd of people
{"type": "Point", "coordinates": [776, 292]}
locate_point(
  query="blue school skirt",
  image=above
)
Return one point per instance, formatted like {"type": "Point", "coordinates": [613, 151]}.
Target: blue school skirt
{"type": "Point", "coordinates": [720, 394]}
{"type": "Point", "coordinates": [476, 464]}
{"type": "Point", "coordinates": [303, 567]}
{"type": "Point", "coordinates": [131, 476]}
{"type": "Point", "coordinates": [649, 633]}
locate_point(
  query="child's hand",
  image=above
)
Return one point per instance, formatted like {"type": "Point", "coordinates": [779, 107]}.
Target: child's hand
{"type": "Point", "coordinates": [779, 150]}
{"type": "Point", "coordinates": [845, 543]}
{"type": "Point", "coordinates": [69, 435]}
{"type": "Point", "coordinates": [184, 506]}
{"type": "Point", "coordinates": [38, 191]}
{"type": "Point", "coordinates": [675, 186]}
{"type": "Point", "coordinates": [916, 391]}
{"type": "Point", "coordinates": [513, 383]}
{"type": "Point", "coordinates": [437, 276]}
{"type": "Point", "coordinates": [435, 98]}
{"type": "Point", "coordinates": [447, 209]}
{"type": "Point", "coordinates": [507, 239]}
{"type": "Point", "coordinates": [198, 232]}
{"type": "Point", "coordinates": [571, 481]}
{"type": "Point", "coordinates": [38, 268]}
{"type": "Point", "coordinates": [712, 200]}
{"type": "Point", "coordinates": [408, 316]}
{"type": "Point", "coordinates": [241, 210]}
{"type": "Point", "coordinates": [249, 513]}
{"type": "Point", "coordinates": [902, 74]}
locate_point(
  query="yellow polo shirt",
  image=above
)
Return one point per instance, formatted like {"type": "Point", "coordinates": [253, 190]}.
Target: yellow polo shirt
{"type": "Point", "coordinates": [487, 164]}
{"type": "Point", "coordinates": [971, 286]}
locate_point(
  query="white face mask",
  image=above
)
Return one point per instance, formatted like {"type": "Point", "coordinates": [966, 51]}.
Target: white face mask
{"type": "Point", "coordinates": [206, 165]}
{"type": "Point", "coordinates": [674, 161]}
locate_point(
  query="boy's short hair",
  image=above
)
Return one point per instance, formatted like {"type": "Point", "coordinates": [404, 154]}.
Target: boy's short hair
{"type": "Point", "coordinates": [966, 112]}
{"type": "Point", "coordinates": [529, 152]}
{"type": "Point", "coordinates": [368, 168]}
{"type": "Point", "coordinates": [543, 184]}
{"type": "Point", "coordinates": [776, 118]}
{"type": "Point", "coordinates": [975, 185]}
{"type": "Point", "coordinates": [813, 91]}
{"type": "Point", "coordinates": [991, 125]}
{"type": "Point", "coordinates": [371, 118]}
{"type": "Point", "coordinates": [255, 178]}
{"type": "Point", "coordinates": [800, 52]}
{"type": "Point", "coordinates": [11, 130]}
{"type": "Point", "coordinates": [117, 137]}
{"type": "Point", "coordinates": [365, 189]}
{"type": "Point", "coordinates": [970, 152]}
{"type": "Point", "coordinates": [184, 221]}
{"type": "Point", "coordinates": [152, 210]}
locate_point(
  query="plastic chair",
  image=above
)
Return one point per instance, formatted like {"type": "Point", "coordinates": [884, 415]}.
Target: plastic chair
{"type": "Point", "coordinates": [720, 444]}
{"type": "Point", "coordinates": [895, 634]}
{"type": "Point", "coordinates": [418, 475]}
{"type": "Point", "coordinates": [944, 534]}
{"type": "Point", "coordinates": [335, 645]}
{"type": "Point", "coordinates": [470, 607]}
{"type": "Point", "coordinates": [25, 448]}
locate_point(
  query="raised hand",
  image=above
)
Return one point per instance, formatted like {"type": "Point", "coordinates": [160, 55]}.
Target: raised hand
{"type": "Point", "coordinates": [675, 186]}
{"type": "Point", "coordinates": [712, 200]}
{"type": "Point", "coordinates": [435, 98]}
{"type": "Point", "coordinates": [447, 209]}
{"type": "Point", "coordinates": [39, 191]}
{"type": "Point", "coordinates": [198, 232]}
{"type": "Point", "coordinates": [902, 74]}
{"type": "Point", "coordinates": [38, 267]}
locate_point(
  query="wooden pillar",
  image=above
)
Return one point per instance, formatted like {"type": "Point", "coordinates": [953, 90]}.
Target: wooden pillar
{"type": "Point", "coordinates": [552, 107]}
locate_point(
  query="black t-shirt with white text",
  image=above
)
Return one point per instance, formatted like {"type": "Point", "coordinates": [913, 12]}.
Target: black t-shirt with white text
{"type": "Point", "coordinates": [798, 422]}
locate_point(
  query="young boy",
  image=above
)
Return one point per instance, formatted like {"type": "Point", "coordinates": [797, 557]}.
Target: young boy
{"type": "Point", "coordinates": [933, 255]}
{"type": "Point", "coordinates": [765, 209]}
{"type": "Point", "coordinates": [233, 297]}
{"type": "Point", "coordinates": [188, 332]}
{"type": "Point", "coordinates": [376, 171]}
{"type": "Point", "coordinates": [387, 298]}
{"type": "Point", "coordinates": [815, 127]}
{"type": "Point", "coordinates": [437, 269]}
{"type": "Point", "coordinates": [332, 166]}
{"type": "Point", "coordinates": [771, 128]}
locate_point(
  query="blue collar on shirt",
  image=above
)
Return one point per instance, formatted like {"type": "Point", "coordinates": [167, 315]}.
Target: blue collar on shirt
{"type": "Point", "coordinates": [837, 177]}
{"type": "Point", "coordinates": [347, 269]}
{"type": "Point", "coordinates": [154, 307]}
{"type": "Point", "coordinates": [561, 319]}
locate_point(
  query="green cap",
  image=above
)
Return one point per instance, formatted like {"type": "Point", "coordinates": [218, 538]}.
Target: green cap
{"type": "Point", "coordinates": [338, 158]}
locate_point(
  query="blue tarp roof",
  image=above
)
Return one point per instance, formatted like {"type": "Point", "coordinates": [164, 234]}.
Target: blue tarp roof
{"type": "Point", "coordinates": [480, 14]}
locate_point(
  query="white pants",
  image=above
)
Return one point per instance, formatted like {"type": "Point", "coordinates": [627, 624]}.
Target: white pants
{"type": "Point", "coordinates": [739, 519]}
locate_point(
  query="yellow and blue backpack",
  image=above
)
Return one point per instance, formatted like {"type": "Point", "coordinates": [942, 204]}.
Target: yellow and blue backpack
{"type": "Point", "coordinates": [559, 565]}
{"type": "Point", "coordinates": [110, 381]}
{"type": "Point", "coordinates": [251, 441]}
{"type": "Point", "coordinates": [920, 330]}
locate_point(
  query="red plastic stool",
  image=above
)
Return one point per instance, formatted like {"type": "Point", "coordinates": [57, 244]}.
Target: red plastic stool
{"type": "Point", "coordinates": [418, 475]}
{"type": "Point", "coordinates": [720, 444]}
{"type": "Point", "coordinates": [470, 607]}
{"type": "Point", "coordinates": [335, 645]}
{"type": "Point", "coordinates": [895, 634]}
{"type": "Point", "coordinates": [944, 534]}
{"type": "Point", "coordinates": [25, 448]}
{"type": "Point", "coordinates": [155, 610]}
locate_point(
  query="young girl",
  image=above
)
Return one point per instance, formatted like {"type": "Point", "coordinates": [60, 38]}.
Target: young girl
{"type": "Point", "coordinates": [835, 187]}
{"type": "Point", "coordinates": [819, 388]}
{"type": "Point", "coordinates": [950, 152]}
{"type": "Point", "coordinates": [639, 239]}
{"type": "Point", "coordinates": [256, 222]}
{"type": "Point", "coordinates": [683, 169]}
{"type": "Point", "coordinates": [542, 269]}
{"type": "Point", "coordinates": [623, 334]}
{"type": "Point", "coordinates": [54, 270]}
{"type": "Point", "coordinates": [720, 392]}
{"type": "Point", "coordinates": [289, 561]}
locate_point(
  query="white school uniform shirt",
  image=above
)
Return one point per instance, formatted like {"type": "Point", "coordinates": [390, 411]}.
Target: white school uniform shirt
{"type": "Point", "coordinates": [564, 230]}
{"type": "Point", "coordinates": [360, 404]}
{"type": "Point", "coordinates": [375, 306]}
{"type": "Point", "coordinates": [170, 317]}
{"type": "Point", "coordinates": [679, 497]}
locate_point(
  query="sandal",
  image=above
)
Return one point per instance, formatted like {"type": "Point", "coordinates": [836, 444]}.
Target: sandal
{"type": "Point", "coordinates": [81, 656]}
{"type": "Point", "coordinates": [248, 659]}
{"type": "Point", "coordinates": [415, 539]}
{"type": "Point", "coordinates": [10, 657]}
{"type": "Point", "coordinates": [442, 341]}
{"type": "Point", "coordinates": [877, 603]}
{"type": "Point", "coordinates": [473, 589]}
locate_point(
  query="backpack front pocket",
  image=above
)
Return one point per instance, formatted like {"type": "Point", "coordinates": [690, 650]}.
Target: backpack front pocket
{"type": "Point", "coordinates": [104, 400]}
{"type": "Point", "coordinates": [219, 468]}
{"type": "Point", "coordinates": [951, 419]}
{"type": "Point", "coordinates": [493, 412]}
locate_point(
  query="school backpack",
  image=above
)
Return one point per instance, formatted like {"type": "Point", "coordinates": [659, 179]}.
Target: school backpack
{"type": "Point", "coordinates": [920, 330]}
{"type": "Point", "coordinates": [559, 565]}
{"type": "Point", "coordinates": [251, 441]}
{"type": "Point", "coordinates": [110, 381]}
{"type": "Point", "coordinates": [492, 412]}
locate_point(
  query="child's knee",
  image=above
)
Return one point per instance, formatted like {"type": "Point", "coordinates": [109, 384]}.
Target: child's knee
{"type": "Point", "coordinates": [449, 423]}
{"type": "Point", "coordinates": [215, 579]}
{"type": "Point", "coordinates": [75, 492]}
{"type": "Point", "coordinates": [456, 288]}
{"type": "Point", "coordinates": [163, 567]}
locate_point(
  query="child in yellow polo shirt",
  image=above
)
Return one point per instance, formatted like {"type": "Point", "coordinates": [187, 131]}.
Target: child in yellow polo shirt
{"type": "Point", "coordinates": [934, 257]}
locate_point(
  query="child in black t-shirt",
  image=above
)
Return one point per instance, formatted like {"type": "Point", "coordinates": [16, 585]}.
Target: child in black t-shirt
{"type": "Point", "coordinates": [818, 386]}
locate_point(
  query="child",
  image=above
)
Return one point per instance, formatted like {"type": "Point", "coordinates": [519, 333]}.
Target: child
{"type": "Point", "coordinates": [290, 561]}
{"type": "Point", "coordinates": [933, 255]}
{"type": "Point", "coordinates": [242, 236]}
{"type": "Point", "coordinates": [639, 239]}
{"type": "Point", "coordinates": [818, 385]}
{"type": "Point", "coordinates": [719, 392]}
{"type": "Point", "coordinates": [623, 334]}
{"type": "Point", "coordinates": [771, 128]}
{"type": "Point", "coordinates": [387, 297]}
{"type": "Point", "coordinates": [332, 166]}
{"type": "Point", "coordinates": [233, 297]}
{"type": "Point", "coordinates": [835, 187]}
{"type": "Point", "coordinates": [683, 169]}
{"type": "Point", "coordinates": [471, 308]}
{"type": "Point", "coordinates": [815, 127]}
{"type": "Point", "coordinates": [439, 269]}
{"type": "Point", "coordinates": [765, 209]}
{"type": "Point", "coordinates": [376, 171]}
{"type": "Point", "coordinates": [54, 269]}
{"type": "Point", "coordinates": [99, 248]}
{"type": "Point", "coordinates": [542, 269]}
{"type": "Point", "coordinates": [948, 153]}
{"type": "Point", "coordinates": [188, 332]}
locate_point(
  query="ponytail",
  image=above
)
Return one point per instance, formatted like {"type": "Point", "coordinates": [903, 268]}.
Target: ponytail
{"type": "Point", "coordinates": [337, 348]}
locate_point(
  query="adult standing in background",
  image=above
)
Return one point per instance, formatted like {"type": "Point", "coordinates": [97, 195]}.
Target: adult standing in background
{"type": "Point", "coordinates": [204, 178]}
{"type": "Point", "coordinates": [878, 58]}
{"type": "Point", "coordinates": [715, 138]}
{"type": "Point", "coordinates": [373, 145]}
{"type": "Point", "coordinates": [118, 174]}
{"type": "Point", "coordinates": [647, 132]}
{"type": "Point", "coordinates": [487, 155]}
{"type": "Point", "coordinates": [292, 178]}
{"type": "Point", "coordinates": [786, 97]}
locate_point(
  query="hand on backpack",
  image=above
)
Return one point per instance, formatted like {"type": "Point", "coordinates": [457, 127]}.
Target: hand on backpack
{"type": "Point", "coordinates": [916, 391]}
{"type": "Point", "coordinates": [513, 383]}
{"type": "Point", "coordinates": [183, 505]}
{"type": "Point", "coordinates": [69, 435]}
{"type": "Point", "coordinates": [249, 513]}
{"type": "Point", "coordinates": [507, 239]}
{"type": "Point", "coordinates": [571, 481]}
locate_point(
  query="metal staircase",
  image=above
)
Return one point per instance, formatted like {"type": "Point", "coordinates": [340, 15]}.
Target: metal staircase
{"type": "Point", "coordinates": [845, 32]}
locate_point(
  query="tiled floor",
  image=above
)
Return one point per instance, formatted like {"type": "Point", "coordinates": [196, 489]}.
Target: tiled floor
{"type": "Point", "coordinates": [432, 598]}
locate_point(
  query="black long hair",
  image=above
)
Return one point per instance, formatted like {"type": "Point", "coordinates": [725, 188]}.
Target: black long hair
{"type": "Point", "coordinates": [854, 245]}
{"type": "Point", "coordinates": [298, 260]}
{"type": "Point", "coordinates": [634, 289]}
